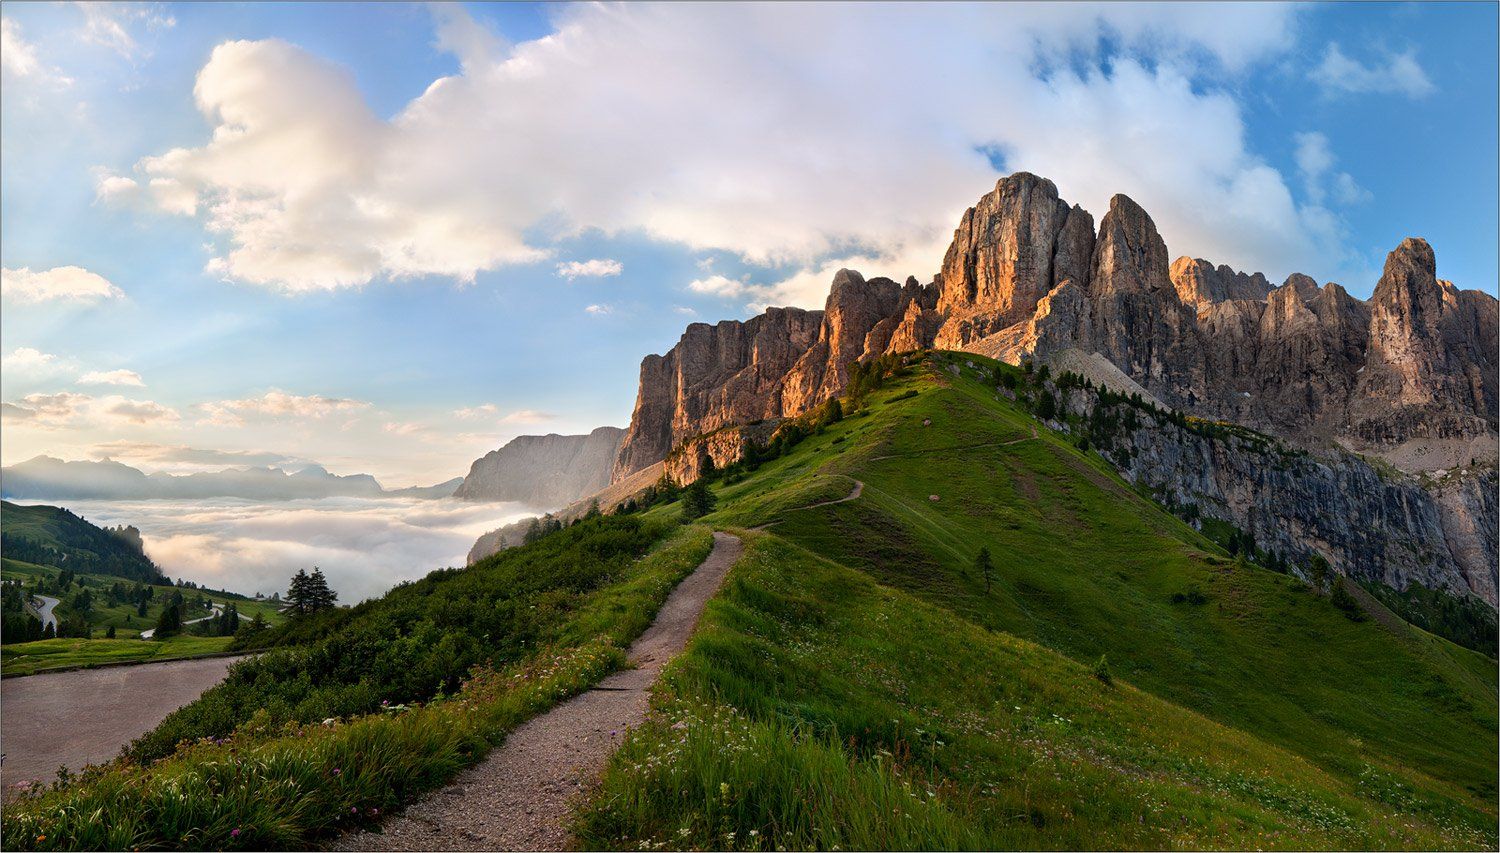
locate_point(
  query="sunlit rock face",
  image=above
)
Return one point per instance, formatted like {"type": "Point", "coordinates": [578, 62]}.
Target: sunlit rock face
{"type": "Point", "coordinates": [1410, 375]}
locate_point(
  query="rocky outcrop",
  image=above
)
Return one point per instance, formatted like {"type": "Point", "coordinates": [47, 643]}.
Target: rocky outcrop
{"type": "Point", "coordinates": [715, 450]}
{"type": "Point", "coordinates": [1200, 285]}
{"type": "Point", "coordinates": [544, 471]}
{"type": "Point", "coordinates": [1410, 375]}
{"type": "Point", "coordinates": [780, 364]}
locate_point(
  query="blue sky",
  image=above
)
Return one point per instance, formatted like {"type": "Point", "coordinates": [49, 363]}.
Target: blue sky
{"type": "Point", "coordinates": [343, 260]}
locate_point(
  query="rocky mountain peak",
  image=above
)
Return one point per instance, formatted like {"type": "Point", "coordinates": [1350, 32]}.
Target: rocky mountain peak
{"type": "Point", "coordinates": [1129, 255]}
{"type": "Point", "coordinates": [1200, 284]}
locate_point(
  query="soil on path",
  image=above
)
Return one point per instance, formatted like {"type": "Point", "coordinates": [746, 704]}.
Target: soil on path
{"type": "Point", "coordinates": [86, 716]}
{"type": "Point", "coordinates": [519, 797]}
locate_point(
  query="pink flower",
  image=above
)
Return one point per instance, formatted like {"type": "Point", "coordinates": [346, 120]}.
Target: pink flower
{"type": "Point", "coordinates": [337, 771]}
{"type": "Point", "coordinates": [234, 833]}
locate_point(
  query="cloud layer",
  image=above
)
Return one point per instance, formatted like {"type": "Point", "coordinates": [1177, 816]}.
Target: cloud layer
{"type": "Point", "coordinates": [787, 135]}
{"type": "Point", "coordinates": [365, 546]}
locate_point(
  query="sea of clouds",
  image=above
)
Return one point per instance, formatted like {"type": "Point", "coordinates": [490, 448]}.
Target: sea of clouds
{"type": "Point", "coordinates": [365, 546]}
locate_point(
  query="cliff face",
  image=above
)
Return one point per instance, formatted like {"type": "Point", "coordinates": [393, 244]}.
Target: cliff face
{"type": "Point", "coordinates": [1410, 376]}
{"type": "Point", "coordinates": [1390, 530]}
{"type": "Point", "coordinates": [544, 471]}
{"type": "Point", "coordinates": [779, 364]}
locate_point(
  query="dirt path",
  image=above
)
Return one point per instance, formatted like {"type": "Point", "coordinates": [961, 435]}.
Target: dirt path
{"type": "Point", "coordinates": [86, 716]}
{"type": "Point", "coordinates": [859, 489]}
{"type": "Point", "coordinates": [518, 797]}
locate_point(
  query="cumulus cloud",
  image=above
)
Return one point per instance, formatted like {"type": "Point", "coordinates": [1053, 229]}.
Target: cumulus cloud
{"type": "Point", "coordinates": [277, 404]}
{"type": "Point", "coordinates": [599, 310]}
{"type": "Point", "coordinates": [28, 361]}
{"type": "Point", "coordinates": [112, 377]}
{"type": "Point", "coordinates": [596, 268]}
{"type": "Point", "coordinates": [618, 122]}
{"type": "Point", "coordinates": [74, 284]}
{"type": "Point", "coordinates": [1390, 74]}
{"type": "Point", "coordinates": [68, 409]}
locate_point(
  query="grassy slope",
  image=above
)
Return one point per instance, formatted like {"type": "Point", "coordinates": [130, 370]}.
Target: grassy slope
{"type": "Point", "coordinates": [272, 786]}
{"type": "Point", "coordinates": [1086, 567]}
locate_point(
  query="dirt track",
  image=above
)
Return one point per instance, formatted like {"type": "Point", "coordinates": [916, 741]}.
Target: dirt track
{"type": "Point", "coordinates": [518, 797]}
{"type": "Point", "coordinates": [86, 716]}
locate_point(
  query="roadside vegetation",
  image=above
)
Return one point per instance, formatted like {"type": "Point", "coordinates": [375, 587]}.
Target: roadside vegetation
{"type": "Point", "coordinates": [395, 696]}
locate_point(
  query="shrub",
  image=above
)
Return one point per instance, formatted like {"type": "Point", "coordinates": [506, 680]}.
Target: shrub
{"type": "Point", "coordinates": [1101, 670]}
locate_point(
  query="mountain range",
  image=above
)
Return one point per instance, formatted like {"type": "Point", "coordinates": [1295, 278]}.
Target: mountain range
{"type": "Point", "coordinates": [1387, 406]}
{"type": "Point", "coordinates": [48, 478]}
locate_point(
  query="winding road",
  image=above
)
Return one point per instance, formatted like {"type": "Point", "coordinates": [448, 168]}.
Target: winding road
{"type": "Point", "coordinates": [518, 798]}
{"type": "Point", "coordinates": [214, 610]}
{"type": "Point", "coordinates": [44, 610]}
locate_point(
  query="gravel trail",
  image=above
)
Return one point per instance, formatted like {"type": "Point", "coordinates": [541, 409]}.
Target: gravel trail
{"type": "Point", "coordinates": [519, 796]}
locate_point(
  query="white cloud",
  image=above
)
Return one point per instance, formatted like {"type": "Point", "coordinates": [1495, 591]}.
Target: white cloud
{"type": "Point", "coordinates": [364, 546]}
{"type": "Point", "coordinates": [527, 416]}
{"type": "Point", "coordinates": [1315, 160]}
{"type": "Point", "coordinates": [618, 122]}
{"type": "Point", "coordinates": [29, 361]}
{"type": "Point", "coordinates": [17, 55]}
{"type": "Point", "coordinates": [596, 268]}
{"type": "Point", "coordinates": [718, 285]}
{"type": "Point", "coordinates": [67, 409]}
{"type": "Point", "coordinates": [75, 284]}
{"type": "Point", "coordinates": [1392, 73]}
{"type": "Point", "coordinates": [483, 410]}
{"type": "Point", "coordinates": [1346, 191]}
{"type": "Point", "coordinates": [276, 404]}
{"type": "Point", "coordinates": [684, 310]}
{"type": "Point", "coordinates": [599, 310]}
{"type": "Point", "coordinates": [112, 377]}
{"type": "Point", "coordinates": [112, 26]}
{"type": "Point", "coordinates": [19, 59]}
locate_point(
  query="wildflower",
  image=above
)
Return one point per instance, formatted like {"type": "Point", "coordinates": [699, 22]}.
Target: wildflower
{"type": "Point", "coordinates": [41, 838]}
{"type": "Point", "coordinates": [337, 771]}
{"type": "Point", "coordinates": [234, 833]}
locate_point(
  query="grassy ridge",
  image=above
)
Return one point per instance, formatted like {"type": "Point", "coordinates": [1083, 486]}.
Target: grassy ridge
{"type": "Point", "coordinates": [269, 783]}
{"type": "Point", "coordinates": [1380, 724]}
{"type": "Point", "coordinates": [817, 709]}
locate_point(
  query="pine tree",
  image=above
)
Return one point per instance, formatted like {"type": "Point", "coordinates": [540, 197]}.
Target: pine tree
{"type": "Point", "coordinates": [170, 621]}
{"type": "Point", "coordinates": [110, 634]}
{"type": "Point", "coordinates": [297, 593]}
{"type": "Point", "coordinates": [320, 596]}
{"type": "Point", "coordinates": [984, 567]}
{"type": "Point", "coordinates": [697, 501]}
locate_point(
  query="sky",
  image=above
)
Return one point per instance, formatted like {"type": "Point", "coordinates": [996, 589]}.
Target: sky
{"type": "Point", "coordinates": [388, 238]}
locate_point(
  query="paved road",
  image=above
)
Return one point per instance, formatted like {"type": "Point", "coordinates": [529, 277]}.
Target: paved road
{"type": "Point", "coordinates": [519, 797]}
{"type": "Point", "coordinates": [214, 610]}
{"type": "Point", "coordinates": [86, 716]}
{"type": "Point", "coordinates": [44, 612]}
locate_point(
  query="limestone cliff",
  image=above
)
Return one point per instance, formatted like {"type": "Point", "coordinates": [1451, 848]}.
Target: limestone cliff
{"type": "Point", "coordinates": [544, 471]}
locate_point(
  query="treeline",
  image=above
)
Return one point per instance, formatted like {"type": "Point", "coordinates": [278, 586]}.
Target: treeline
{"type": "Point", "coordinates": [84, 549]}
{"type": "Point", "coordinates": [418, 641]}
